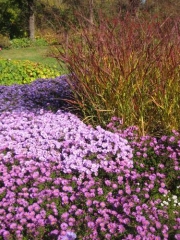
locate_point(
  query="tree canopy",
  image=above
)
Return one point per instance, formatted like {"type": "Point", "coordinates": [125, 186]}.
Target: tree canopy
{"type": "Point", "coordinates": [17, 17]}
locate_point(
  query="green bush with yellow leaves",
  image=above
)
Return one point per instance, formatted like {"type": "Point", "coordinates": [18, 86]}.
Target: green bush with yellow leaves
{"type": "Point", "coordinates": [24, 72]}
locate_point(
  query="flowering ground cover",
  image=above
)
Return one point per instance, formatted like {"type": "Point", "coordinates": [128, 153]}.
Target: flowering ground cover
{"type": "Point", "coordinates": [63, 179]}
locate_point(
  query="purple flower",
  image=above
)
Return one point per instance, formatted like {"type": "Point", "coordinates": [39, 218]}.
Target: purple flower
{"type": "Point", "coordinates": [64, 226]}
{"type": "Point", "coordinates": [158, 225]}
{"type": "Point", "coordinates": [89, 202]}
{"type": "Point", "coordinates": [68, 236]}
{"type": "Point", "coordinates": [91, 224]}
{"type": "Point", "coordinates": [177, 236]}
{"type": "Point", "coordinates": [54, 168]}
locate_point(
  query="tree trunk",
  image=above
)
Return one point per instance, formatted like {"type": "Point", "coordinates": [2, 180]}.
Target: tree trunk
{"type": "Point", "coordinates": [31, 7]}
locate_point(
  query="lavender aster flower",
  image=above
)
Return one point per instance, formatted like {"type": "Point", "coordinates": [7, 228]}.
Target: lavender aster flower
{"type": "Point", "coordinates": [68, 236]}
{"type": "Point", "coordinates": [55, 169]}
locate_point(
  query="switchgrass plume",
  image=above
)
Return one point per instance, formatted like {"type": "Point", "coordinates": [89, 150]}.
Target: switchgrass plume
{"type": "Point", "coordinates": [127, 67]}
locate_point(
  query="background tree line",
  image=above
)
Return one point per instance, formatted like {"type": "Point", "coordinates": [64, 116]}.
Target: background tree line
{"type": "Point", "coordinates": [20, 18]}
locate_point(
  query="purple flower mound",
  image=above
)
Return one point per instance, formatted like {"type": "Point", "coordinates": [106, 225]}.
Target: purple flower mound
{"type": "Point", "coordinates": [62, 138]}
{"type": "Point", "coordinates": [48, 94]}
{"type": "Point", "coordinates": [61, 179]}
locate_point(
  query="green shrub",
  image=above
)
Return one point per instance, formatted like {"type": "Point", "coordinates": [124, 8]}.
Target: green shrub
{"type": "Point", "coordinates": [4, 41]}
{"type": "Point", "coordinates": [26, 42]}
{"type": "Point", "coordinates": [23, 72]}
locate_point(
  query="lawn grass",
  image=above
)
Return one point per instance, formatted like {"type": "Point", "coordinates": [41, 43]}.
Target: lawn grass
{"type": "Point", "coordinates": [35, 54]}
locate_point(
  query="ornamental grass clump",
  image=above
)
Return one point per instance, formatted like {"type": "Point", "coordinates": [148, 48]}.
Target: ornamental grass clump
{"type": "Point", "coordinates": [62, 179]}
{"type": "Point", "coordinates": [127, 67]}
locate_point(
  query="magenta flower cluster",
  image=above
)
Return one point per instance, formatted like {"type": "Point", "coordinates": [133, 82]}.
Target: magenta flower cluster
{"type": "Point", "coordinates": [61, 179]}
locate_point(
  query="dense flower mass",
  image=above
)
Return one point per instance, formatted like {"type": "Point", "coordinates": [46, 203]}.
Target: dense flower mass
{"type": "Point", "coordinates": [61, 137]}
{"type": "Point", "coordinates": [61, 179]}
{"type": "Point", "coordinates": [47, 94]}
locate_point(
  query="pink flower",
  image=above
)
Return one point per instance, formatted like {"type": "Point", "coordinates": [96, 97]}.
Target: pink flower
{"type": "Point", "coordinates": [146, 195]}
{"type": "Point", "coordinates": [35, 175]}
{"type": "Point", "coordinates": [115, 186]}
{"type": "Point", "coordinates": [65, 215]}
{"type": "Point", "coordinates": [121, 228]}
{"type": "Point", "coordinates": [90, 224]}
{"type": "Point", "coordinates": [102, 204]}
{"type": "Point", "coordinates": [13, 226]}
{"type": "Point", "coordinates": [177, 236]}
{"type": "Point", "coordinates": [64, 226]}
{"type": "Point", "coordinates": [128, 190]}
{"type": "Point", "coordinates": [107, 182]}
{"type": "Point", "coordinates": [89, 202]}
{"type": "Point", "coordinates": [158, 225]}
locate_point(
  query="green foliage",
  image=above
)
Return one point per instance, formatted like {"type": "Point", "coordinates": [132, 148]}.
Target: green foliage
{"type": "Point", "coordinates": [13, 20]}
{"type": "Point", "coordinates": [24, 72]}
{"type": "Point", "coordinates": [4, 41]}
{"type": "Point", "coordinates": [14, 14]}
{"type": "Point", "coordinates": [26, 42]}
{"type": "Point", "coordinates": [127, 68]}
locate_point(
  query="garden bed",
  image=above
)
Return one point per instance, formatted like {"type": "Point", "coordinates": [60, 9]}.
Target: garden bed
{"type": "Point", "coordinates": [63, 179]}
